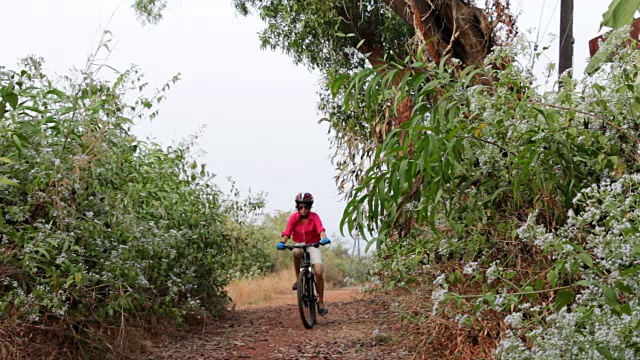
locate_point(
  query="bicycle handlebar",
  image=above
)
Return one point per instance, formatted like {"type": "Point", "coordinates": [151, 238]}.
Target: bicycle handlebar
{"type": "Point", "coordinates": [302, 246]}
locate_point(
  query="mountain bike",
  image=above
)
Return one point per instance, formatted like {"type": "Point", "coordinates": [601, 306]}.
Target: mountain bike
{"type": "Point", "coordinates": [307, 299]}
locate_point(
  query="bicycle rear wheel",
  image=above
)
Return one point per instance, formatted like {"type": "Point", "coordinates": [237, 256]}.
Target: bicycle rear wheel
{"type": "Point", "coordinates": [306, 301]}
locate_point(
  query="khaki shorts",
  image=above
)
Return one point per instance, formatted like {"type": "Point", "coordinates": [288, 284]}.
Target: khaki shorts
{"type": "Point", "coordinates": [316, 255]}
{"type": "Point", "coordinates": [314, 252]}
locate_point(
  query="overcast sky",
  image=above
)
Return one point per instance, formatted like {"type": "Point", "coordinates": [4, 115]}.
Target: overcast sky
{"type": "Point", "coordinates": [259, 109]}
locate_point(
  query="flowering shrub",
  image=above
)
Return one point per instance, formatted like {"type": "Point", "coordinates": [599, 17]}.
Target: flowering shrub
{"type": "Point", "coordinates": [98, 226]}
{"type": "Point", "coordinates": [485, 151]}
{"type": "Point", "coordinates": [603, 319]}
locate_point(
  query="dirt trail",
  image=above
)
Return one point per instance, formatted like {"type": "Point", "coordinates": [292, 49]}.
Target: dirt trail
{"type": "Point", "coordinates": [354, 329]}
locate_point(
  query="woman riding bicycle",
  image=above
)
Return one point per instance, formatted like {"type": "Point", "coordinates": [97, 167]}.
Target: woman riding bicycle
{"type": "Point", "coordinates": [305, 227]}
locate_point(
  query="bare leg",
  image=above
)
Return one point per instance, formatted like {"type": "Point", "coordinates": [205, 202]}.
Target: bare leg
{"type": "Point", "coordinates": [297, 259]}
{"type": "Point", "coordinates": [317, 270]}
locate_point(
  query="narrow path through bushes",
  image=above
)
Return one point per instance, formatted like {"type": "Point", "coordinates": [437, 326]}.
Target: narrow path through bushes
{"type": "Point", "coordinates": [355, 328]}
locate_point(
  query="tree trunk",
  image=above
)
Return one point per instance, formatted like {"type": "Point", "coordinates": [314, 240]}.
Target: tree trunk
{"type": "Point", "coordinates": [453, 27]}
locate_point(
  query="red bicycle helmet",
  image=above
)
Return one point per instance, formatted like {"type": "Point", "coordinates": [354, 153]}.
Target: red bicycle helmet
{"type": "Point", "coordinates": [304, 198]}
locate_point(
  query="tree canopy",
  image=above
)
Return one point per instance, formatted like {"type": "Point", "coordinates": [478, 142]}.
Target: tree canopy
{"type": "Point", "coordinates": [344, 33]}
{"type": "Point", "coordinates": [341, 37]}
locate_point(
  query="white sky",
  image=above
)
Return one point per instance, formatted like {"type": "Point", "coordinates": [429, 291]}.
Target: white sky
{"type": "Point", "coordinates": [259, 109]}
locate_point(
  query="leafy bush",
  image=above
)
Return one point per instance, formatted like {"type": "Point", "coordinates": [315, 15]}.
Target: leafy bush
{"type": "Point", "coordinates": [599, 251]}
{"type": "Point", "coordinates": [484, 152]}
{"type": "Point", "coordinates": [343, 269]}
{"type": "Point", "coordinates": [98, 226]}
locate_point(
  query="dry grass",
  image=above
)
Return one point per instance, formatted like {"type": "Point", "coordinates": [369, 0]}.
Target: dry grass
{"type": "Point", "coordinates": [266, 288]}
{"type": "Point", "coordinates": [413, 327]}
{"type": "Point", "coordinates": [262, 289]}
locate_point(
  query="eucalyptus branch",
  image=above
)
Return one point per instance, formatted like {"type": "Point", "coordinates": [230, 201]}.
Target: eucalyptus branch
{"type": "Point", "coordinates": [405, 199]}
{"type": "Point", "coordinates": [586, 113]}
{"type": "Point", "coordinates": [487, 142]}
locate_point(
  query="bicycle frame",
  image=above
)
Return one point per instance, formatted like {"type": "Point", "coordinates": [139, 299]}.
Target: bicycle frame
{"type": "Point", "coordinates": [307, 299]}
{"type": "Point", "coordinates": [305, 262]}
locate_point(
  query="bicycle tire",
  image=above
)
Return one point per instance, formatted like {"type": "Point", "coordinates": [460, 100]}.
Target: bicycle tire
{"type": "Point", "coordinates": [306, 302]}
{"type": "Point", "coordinates": [313, 299]}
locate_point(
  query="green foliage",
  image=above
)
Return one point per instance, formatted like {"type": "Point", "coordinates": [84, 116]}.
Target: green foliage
{"type": "Point", "coordinates": [250, 248]}
{"type": "Point", "coordinates": [341, 268]}
{"type": "Point", "coordinates": [338, 27]}
{"type": "Point", "coordinates": [486, 151]}
{"type": "Point", "coordinates": [481, 153]}
{"type": "Point", "coordinates": [320, 34]}
{"type": "Point", "coordinates": [271, 228]}
{"type": "Point", "coordinates": [149, 11]}
{"type": "Point", "coordinates": [99, 226]}
{"type": "Point", "coordinates": [620, 13]}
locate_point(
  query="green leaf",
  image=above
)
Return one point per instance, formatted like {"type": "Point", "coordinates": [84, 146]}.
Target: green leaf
{"type": "Point", "coordinates": [586, 259]}
{"type": "Point", "coordinates": [563, 298]}
{"type": "Point", "coordinates": [3, 109]}
{"type": "Point", "coordinates": [403, 171]}
{"type": "Point", "coordinates": [611, 298]}
{"type": "Point", "coordinates": [336, 84]}
{"type": "Point", "coordinates": [17, 141]}
{"type": "Point", "coordinates": [5, 181]}
{"type": "Point", "coordinates": [66, 110]}
{"type": "Point", "coordinates": [595, 63]}
{"type": "Point", "coordinates": [34, 109]}
{"type": "Point", "coordinates": [529, 292]}
{"type": "Point", "coordinates": [11, 99]}
{"type": "Point", "coordinates": [605, 352]}
{"type": "Point", "coordinates": [55, 92]}
{"type": "Point", "coordinates": [43, 252]}
{"type": "Point", "coordinates": [65, 246]}
{"type": "Point", "coordinates": [553, 277]}
{"type": "Point", "coordinates": [6, 160]}
{"type": "Point", "coordinates": [624, 288]}
{"type": "Point", "coordinates": [626, 309]}
{"type": "Point", "coordinates": [620, 13]}
{"type": "Point", "coordinates": [632, 230]}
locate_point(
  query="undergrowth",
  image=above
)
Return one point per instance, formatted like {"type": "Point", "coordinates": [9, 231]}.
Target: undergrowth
{"type": "Point", "coordinates": [510, 211]}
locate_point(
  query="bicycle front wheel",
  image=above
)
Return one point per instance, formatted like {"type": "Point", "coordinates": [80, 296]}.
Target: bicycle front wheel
{"type": "Point", "coordinates": [306, 301]}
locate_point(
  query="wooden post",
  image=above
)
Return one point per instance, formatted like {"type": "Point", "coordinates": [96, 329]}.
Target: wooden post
{"type": "Point", "coordinates": [566, 36]}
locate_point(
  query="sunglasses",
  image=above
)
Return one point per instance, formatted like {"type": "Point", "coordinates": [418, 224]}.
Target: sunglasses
{"type": "Point", "coordinates": [301, 207]}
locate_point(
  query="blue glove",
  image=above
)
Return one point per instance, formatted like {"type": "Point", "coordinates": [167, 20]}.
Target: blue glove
{"type": "Point", "coordinates": [325, 241]}
{"type": "Point", "coordinates": [280, 246]}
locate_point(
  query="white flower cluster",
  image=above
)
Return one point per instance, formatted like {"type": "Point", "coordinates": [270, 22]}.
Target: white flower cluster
{"type": "Point", "coordinates": [493, 271]}
{"type": "Point", "coordinates": [599, 320]}
{"type": "Point", "coordinates": [439, 293]}
{"type": "Point", "coordinates": [470, 268]}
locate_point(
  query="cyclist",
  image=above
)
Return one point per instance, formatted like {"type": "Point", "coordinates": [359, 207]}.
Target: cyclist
{"type": "Point", "coordinates": [305, 227]}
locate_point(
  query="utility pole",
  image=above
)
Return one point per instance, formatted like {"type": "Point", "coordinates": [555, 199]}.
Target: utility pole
{"type": "Point", "coordinates": [566, 36]}
{"type": "Point", "coordinates": [356, 245]}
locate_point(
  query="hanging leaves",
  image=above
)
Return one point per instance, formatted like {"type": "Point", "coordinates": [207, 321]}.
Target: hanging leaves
{"type": "Point", "coordinates": [620, 13]}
